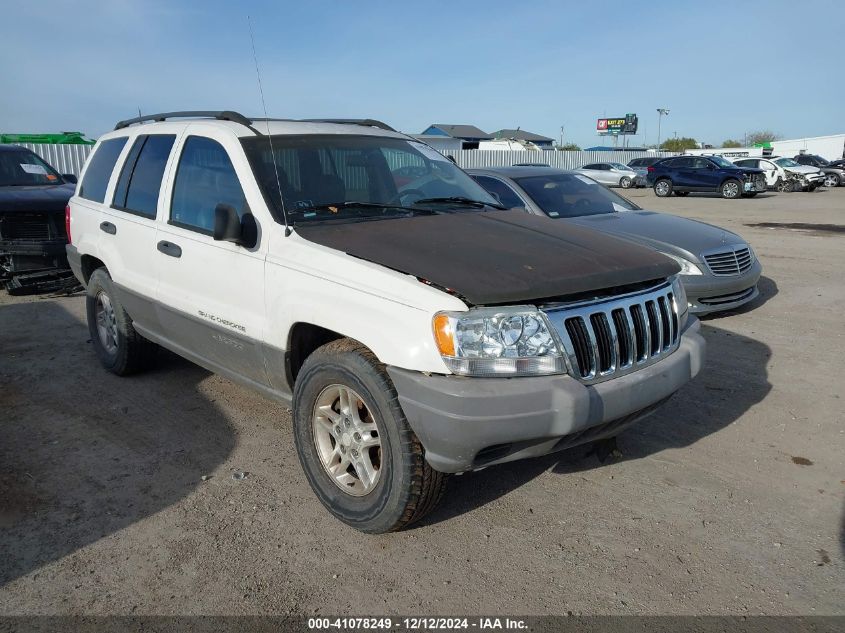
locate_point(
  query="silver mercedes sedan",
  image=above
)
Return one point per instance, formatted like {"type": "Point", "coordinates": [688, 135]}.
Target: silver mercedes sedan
{"type": "Point", "coordinates": [613, 175]}
{"type": "Point", "coordinates": [719, 269]}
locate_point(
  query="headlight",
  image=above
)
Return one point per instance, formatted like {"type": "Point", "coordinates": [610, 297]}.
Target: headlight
{"type": "Point", "coordinates": [513, 341]}
{"type": "Point", "coordinates": [681, 302]}
{"type": "Point", "coordinates": [687, 267]}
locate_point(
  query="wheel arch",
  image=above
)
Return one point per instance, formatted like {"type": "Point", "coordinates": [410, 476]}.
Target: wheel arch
{"type": "Point", "coordinates": [89, 264]}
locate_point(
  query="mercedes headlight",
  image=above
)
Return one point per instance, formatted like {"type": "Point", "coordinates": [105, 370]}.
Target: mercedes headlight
{"type": "Point", "coordinates": [687, 267]}
{"type": "Point", "coordinates": [681, 301]}
{"type": "Point", "coordinates": [498, 342]}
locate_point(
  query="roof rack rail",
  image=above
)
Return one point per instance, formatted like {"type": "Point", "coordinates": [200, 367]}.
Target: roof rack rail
{"type": "Point", "coordinates": [224, 115]}
{"type": "Point", "coordinates": [364, 122]}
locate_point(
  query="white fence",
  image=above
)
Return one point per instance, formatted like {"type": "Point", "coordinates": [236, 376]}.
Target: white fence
{"type": "Point", "coordinates": [65, 159]}
{"type": "Point", "coordinates": [478, 159]}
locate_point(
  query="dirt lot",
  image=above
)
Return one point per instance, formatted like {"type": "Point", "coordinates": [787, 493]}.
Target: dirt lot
{"type": "Point", "coordinates": [727, 501]}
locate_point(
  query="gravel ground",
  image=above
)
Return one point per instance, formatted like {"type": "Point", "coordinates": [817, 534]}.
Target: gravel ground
{"type": "Point", "coordinates": [729, 500]}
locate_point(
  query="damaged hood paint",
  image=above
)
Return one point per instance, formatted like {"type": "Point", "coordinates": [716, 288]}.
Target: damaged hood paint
{"type": "Point", "coordinates": [496, 257]}
{"type": "Point", "coordinates": [35, 198]}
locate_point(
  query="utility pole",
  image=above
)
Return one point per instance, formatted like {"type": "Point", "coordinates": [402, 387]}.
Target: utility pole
{"type": "Point", "coordinates": [561, 136]}
{"type": "Point", "coordinates": [660, 113]}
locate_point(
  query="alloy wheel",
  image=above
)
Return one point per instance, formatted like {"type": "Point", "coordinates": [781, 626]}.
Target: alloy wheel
{"type": "Point", "coordinates": [831, 180]}
{"type": "Point", "coordinates": [347, 439]}
{"type": "Point", "coordinates": [106, 323]}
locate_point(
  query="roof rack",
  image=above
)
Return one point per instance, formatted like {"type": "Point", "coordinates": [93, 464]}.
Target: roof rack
{"type": "Point", "coordinates": [224, 115]}
{"type": "Point", "coordinates": [237, 117]}
{"type": "Point", "coordinates": [364, 122]}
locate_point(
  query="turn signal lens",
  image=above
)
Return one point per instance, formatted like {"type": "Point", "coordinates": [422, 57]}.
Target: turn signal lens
{"type": "Point", "coordinates": [443, 335]}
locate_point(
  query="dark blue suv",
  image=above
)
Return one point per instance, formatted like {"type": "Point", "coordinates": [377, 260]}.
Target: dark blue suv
{"type": "Point", "coordinates": [711, 174]}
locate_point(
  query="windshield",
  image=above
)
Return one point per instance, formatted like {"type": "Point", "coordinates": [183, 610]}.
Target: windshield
{"type": "Point", "coordinates": [787, 162]}
{"type": "Point", "coordinates": [820, 161]}
{"type": "Point", "coordinates": [22, 168]}
{"type": "Point", "coordinates": [333, 176]}
{"type": "Point", "coordinates": [721, 162]}
{"type": "Point", "coordinates": [572, 195]}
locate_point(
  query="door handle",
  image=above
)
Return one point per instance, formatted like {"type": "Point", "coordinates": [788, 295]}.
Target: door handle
{"type": "Point", "coordinates": [169, 248]}
{"type": "Point", "coordinates": [108, 227]}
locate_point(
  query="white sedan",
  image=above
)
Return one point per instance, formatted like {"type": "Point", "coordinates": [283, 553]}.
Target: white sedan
{"type": "Point", "coordinates": [613, 175]}
{"type": "Point", "coordinates": [775, 168]}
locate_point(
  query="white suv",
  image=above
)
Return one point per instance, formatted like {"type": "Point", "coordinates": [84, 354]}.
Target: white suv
{"type": "Point", "coordinates": [415, 326]}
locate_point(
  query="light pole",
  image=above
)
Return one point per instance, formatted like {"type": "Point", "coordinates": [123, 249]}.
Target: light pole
{"type": "Point", "coordinates": [660, 113]}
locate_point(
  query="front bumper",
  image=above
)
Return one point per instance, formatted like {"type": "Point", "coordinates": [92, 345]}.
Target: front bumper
{"type": "Point", "coordinates": [710, 293]}
{"type": "Point", "coordinates": [469, 423]}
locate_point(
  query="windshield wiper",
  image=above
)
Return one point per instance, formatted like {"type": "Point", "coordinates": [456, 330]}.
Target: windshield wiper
{"type": "Point", "coordinates": [376, 211]}
{"type": "Point", "coordinates": [460, 200]}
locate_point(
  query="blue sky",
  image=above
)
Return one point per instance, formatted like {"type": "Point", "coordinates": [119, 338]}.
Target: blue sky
{"type": "Point", "coordinates": [722, 68]}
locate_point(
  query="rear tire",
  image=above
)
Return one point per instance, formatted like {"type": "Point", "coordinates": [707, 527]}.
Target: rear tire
{"type": "Point", "coordinates": [119, 347]}
{"type": "Point", "coordinates": [731, 189]}
{"type": "Point", "coordinates": [663, 188]}
{"type": "Point", "coordinates": [394, 486]}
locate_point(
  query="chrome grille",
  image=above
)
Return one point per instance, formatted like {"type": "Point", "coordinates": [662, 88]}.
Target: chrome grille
{"type": "Point", "coordinates": [609, 338]}
{"type": "Point", "coordinates": [732, 261]}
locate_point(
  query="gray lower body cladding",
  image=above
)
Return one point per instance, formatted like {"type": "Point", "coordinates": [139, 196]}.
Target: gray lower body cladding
{"type": "Point", "coordinates": [468, 423]}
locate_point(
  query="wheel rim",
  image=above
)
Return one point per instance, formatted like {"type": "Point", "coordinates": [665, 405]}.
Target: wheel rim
{"type": "Point", "coordinates": [731, 189]}
{"type": "Point", "coordinates": [347, 440]}
{"type": "Point", "coordinates": [626, 182]}
{"type": "Point", "coordinates": [830, 180]}
{"type": "Point", "coordinates": [662, 188]}
{"type": "Point", "coordinates": [106, 323]}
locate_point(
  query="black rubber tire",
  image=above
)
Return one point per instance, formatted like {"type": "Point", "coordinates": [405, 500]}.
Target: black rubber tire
{"type": "Point", "coordinates": [738, 189]}
{"type": "Point", "coordinates": [625, 182]}
{"type": "Point", "coordinates": [134, 353]}
{"type": "Point", "coordinates": [668, 192]}
{"type": "Point", "coordinates": [408, 487]}
{"type": "Point", "coordinates": [681, 194]}
{"type": "Point", "coordinates": [835, 179]}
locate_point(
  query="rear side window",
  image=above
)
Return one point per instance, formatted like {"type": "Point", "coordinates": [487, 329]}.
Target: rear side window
{"type": "Point", "coordinates": [140, 180]}
{"type": "Point", "coordinates": [99, 170]}
{"type": "Point", "coordinates": [205, 178]}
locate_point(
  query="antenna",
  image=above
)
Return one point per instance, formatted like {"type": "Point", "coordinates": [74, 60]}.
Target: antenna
{"type": "Point", "coordinates": [269, 136]}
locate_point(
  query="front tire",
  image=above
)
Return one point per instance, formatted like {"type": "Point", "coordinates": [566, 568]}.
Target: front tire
{"type": "Point", "coordinates": [361, 458]}
{"type": "Point", "coordinates": [731, 189]}
{"type": "Point", "coordinates": [663, 188]}
{"type": "Point", "coordinates": [119, 347]}
{"type": "Point", "coordinates": [831, 180]}
{"type": "Point", "coordinates": [626, 182]}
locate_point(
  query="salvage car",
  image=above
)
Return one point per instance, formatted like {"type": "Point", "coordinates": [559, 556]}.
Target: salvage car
{"type": "Point", "coordinates": [33, 197]}
{"type": "Point", "coordinates": [777, 169]}
{"type": "Point", "coordinates": [834, 175]}
{"type": "Point", "coordinates": [682, 175]}
{"type": "Point", "coordinates": [416, 327]}
{"type": "Point", "coordinates": [719, 269]}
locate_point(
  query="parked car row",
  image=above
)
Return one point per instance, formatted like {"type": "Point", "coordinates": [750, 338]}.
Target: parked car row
{"type": "Point", "coordinates": [737, 178]}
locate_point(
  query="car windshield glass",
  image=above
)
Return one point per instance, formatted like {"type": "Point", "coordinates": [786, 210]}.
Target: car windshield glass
{"type": "Point", "coordinates": [572, 195]}
{"type": "Point", "coordinates": [721, 162]}
{"type": "Point", "coordinates": [787, 162]}
{"type": "Point", "coordinates": [335, 177]}
{"type": "Point", "coordinates": [821, 161]}
{"type": "Point", "coordinates": [22, 168]}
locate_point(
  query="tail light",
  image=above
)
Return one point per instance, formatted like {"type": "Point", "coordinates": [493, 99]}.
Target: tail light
{"type": "Point", "coordinates": [650, 168]}
{"type": "Point", "coordinates": [67, 224]}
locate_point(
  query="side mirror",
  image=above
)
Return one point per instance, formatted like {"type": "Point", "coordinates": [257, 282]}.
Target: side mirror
{"type": "Point", "coordinates": [70, 178]}
{"type": "Point", "coordinates": [228, 227]}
